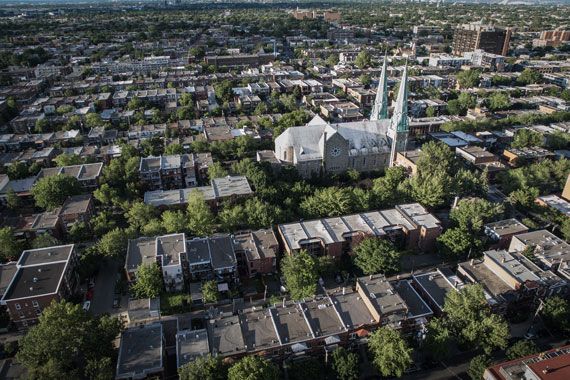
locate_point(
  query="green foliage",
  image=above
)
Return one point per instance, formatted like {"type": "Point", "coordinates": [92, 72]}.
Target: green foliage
{"type": "Point", "coordinates": [216, 171]}
{"type": "Point", "coordinates": [210, 291]}
{"type": "Point", "coordinates": [10, 247]}
{"type": "Point", "coordinates": [139, 214]}
{"type": "Point", "coordinates": [470, 320]}
{"type": "Point", "coordinates": [469, 78]}
{"type": "Point", "coordinates": [113, 243]}
{"type": "Point", "coordinates": [67, 342]}
{"type": "Point", "coordinates": [438, 339]}
{"type": "Point", "coordinates": [174, 221]}
{"type": "Point", "coordinates": [66, 159]}
{"type": "Point", "coordinates": [477, 366]}
{"type": "Point", "coordinates": [149, 282]}
{"type": "Point", "coordinates": [300, 271]}
{"type": "Point", "coordinates": [558, 140]}
{"type": "Point", "coordinates": [548, 176]}
{"type": "Point", "coordinates": [388, 190]}
{"type": "Point", "coordinates": [306, 368]}
{"type": "Point", "coordinates": [375, 255]}
{"type": "Point", "coordinates": [45, 240]}
{"type": "Point", "coordinates": [525, 137]}
{"type": "Point", "coordinates": [174, 149]}
{"type": "Point", "coordinates": [363, 59]}
{"type": "Point", "coordinates": [18, 170]}
{"type": "Point", "coordinates": [522, 348]}
{"type": "Point", "coordinates": [456, 242]}
{"type": "Point", "coordinates": [391, 354]}
{"type": "Point", "coordinates": [328, 201]}
{"type": "Point", "coordinates": [345, 364]}
{"type": "Point", "coordinates": [529, 76]}
{"type": "Point", "coordinates": [472, 213]}
{"type": "Point", "coordinates": [201, 221]}
{"type": "Point", "coordinates": [499, 101]}
{"type": "Point", "coordinates": [13, 200]}
{"type": "Point", "coordinates": [253, 368]}
{"type": "Point", "coordinates": [253, 214]}
{"type": "Point", "coordinates": [50, 192]}
{"type": "Point", "coordinates": [204, 368]}
{"type": "Point", "coordinates": [556, 314]}
{"type": "Point", "coordinates": [107, 195]}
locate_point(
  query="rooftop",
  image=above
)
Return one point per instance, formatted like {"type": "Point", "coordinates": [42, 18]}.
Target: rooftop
{"type": "Point", "coordinates": [505, 227]}
{"type": "Point", "coordinates": [191, 344]}
{"type": "Point", "coordinates": [437, 284]}
{"type": "Point", "coordinates": [225, 336]}
{"type": "Point", "coordinates": [258, 330]}
{"type": "Point", "coordinates": [290, 323]}
{"type": "Point", "coordinates": [380, 293]}
{"type": "Point", "coordinates": [140, 352]}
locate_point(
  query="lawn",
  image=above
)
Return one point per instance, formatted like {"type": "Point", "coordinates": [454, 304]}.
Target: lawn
{"type": "Point", "coordinates": [174, 303]}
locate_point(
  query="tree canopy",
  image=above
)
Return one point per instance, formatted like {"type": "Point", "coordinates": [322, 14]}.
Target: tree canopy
{"type": "Point", "coordinates": [69, 343]}
{"type": "Point", "coordinates": [345, 364]}
{"type": "Point", "coordinates": [300, 271]}
{"type": "Point", "coordinates": [253, 367]}
{"type": "Point", "coordinates": [375, 255]}
{"type": "Point", "coordinates": [50, 192]}
{"type": "Point", "coordinates": [391, 354]}
{"type": "Point", "coordinates": [204, 368]}
{"type": "Point", "coordinates": [148, 283]}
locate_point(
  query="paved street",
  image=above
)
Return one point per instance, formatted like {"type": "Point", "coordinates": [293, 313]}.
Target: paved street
{"type": "Point", "coordinates": [104, 290]}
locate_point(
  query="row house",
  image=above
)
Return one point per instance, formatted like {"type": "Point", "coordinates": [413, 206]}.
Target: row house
{"type": "Point", "coordinates": [256, 252]}
{"type": "Point", "coordinates": [511, 279]}
{"type": "Point", "coordinates": [43, 275]}
{"type": "Point", "coordinates": [86, 174]}
{"type": "Point", "coordinates": [174, 171]}
{"type": "Point", "coordinates": [219, 190]}
{"type": "Point", "coordinates": [183, 260]}
{"type": "Point", "coordinates": [408, 225]}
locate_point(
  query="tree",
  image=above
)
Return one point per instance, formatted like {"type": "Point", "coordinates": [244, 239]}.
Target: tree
{"type": "Point", "coordinates": [139, 214]}
{"type": "Point", "coordinates": [93, 120]}
{"type": "Point", "coordinates": [522, 348]}
{"type": "Point", "coordinates": [432, 190]}
{"type": "Point", "coordinates": [216, 171]}
{"type": "Point", "coordinates": [345, 364]}
{"type": "Point", "coordinates": [200, 219]}
{"type": "Point", "coordinates": [455, 242]}
{"type": "Point", "coordinates": [41, 125]}
{"type": "Point", "coordinates": [436, 156]}
{"type": "Point", "coordinates": [300, 271]}
{"type": "Point", "coordinates": [50, 192]}
{"type": "Point", "coordinates": [525, 137]}
{"type": "Point", "coordinates": [438, 339]}
{"type": "Point", "coordinates": [556, 314]}
{"type": "Point", "coordinates": [174, 221]}
{"type": "Point", "coordinates": [430, 111]}
{"type": "Point", "coordinates": [454, 107]}
{"type": "Point", "coordinates": [307, 368]}
{"type": "Point", "coordinates": [67, 342]}
{"type": "Point", "coordinates": [210, 291]}
{"type": "Point", "coordinates": [204, 368]}
{"type": "Point", "coordinates": [174, 149]}
{"type": "Point", "coordinates": [469, 78]}
{"type": "Point", "coordinates": [470, 319]}
{"type": "Point", "coordinates": [391, 354]}
{"type": "Point", "coordinates": [363, 59]}
{"type": "Point", "coordinates": [477, 366]}
{"type": "Point", "coordinates": [387, 191]}
{"type": "Point", "coordinates": [499, 101]}
{"type": "Point", "coordinates": [375, 255]}
{"type": "Point", "coordinates": [45, 240]}
{"type": "Point", "coordinates": [529, 76]}
{"type": "Point", "coordinates": [154, 227]}
{"type": "Point", "coordinates": [472, 213]}
{"type": "Point", "coordinates": [328, 201]}
{"type": "Point", "coordinates": [113, 243]}
{"type": "Point", "coordinates": [13, 200]}
{"type": "Point", "coordinates": [253, 368]}
{"type": "Point", "coordinates": [148, 282]}
{"type": "Point", "coordinates": [66, 159]}
{"type": "Point", "coordinates": [107, 195]}
{"type": "Point", "coordinates": [10, 247]}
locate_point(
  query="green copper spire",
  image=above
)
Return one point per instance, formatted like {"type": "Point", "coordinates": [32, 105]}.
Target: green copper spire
{"type": "Point", "coordinates": [380, 107]}
{"type": "Point", "coordinates": [400, 122]}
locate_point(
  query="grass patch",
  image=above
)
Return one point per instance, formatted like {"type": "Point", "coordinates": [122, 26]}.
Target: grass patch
{"type": "Point", "coordinates": [175, 303]}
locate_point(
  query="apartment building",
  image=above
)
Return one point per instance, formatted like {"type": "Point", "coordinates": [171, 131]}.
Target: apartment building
{"type": "Point", "coordinates": [43, 275]}
{"type": "Point", "coordinates": [256, 252]}
{"type": "Point", "coordinates": [408, 225]}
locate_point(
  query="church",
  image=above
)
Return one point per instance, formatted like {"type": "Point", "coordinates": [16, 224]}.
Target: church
{"type": "Point", "coordinates": [320, 147]}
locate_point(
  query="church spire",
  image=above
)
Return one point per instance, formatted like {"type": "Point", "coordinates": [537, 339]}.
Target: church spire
{"type": "Point", "coordinates": [400, 122]}
{"type": "Point", "coordinates": [380, 107]}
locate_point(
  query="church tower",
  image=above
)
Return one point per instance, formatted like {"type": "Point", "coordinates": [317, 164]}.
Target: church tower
{"type": "Point", "coordinates": [380, 107]}
{"type": "Point", "coordinates": [399, 124]}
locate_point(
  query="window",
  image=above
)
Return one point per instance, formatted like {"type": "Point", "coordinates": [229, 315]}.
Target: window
{"type": "Point", "coordinates": [35, 304]}
{"type": "Point", "coordinates": [18, 307]}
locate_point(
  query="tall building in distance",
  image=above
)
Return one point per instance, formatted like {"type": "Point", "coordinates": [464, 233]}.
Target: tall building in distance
{"type": "Point", "coordinates": [489, 38]}
{"type": "Point", "coordinates": [554, 37]}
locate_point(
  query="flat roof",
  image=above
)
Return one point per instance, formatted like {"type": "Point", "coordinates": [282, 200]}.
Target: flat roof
{"type": "Point", "coordinates": [77, 204]}
{"type": "Point", "coordinates": [437, 284]}
{"type": "Point", "coordinates": [351, 309]}
{"type": "Point", "coordinates": [511, 265]}
{"type": "Point", "coordinates": [557, 203]}
{"type": "Point", "coordinates": [191, 344]}
{"type": "Point", "coordinates": [32, 281]}
{"type": "Point", "coordinates": [290, 324]}
{"type": "Point", "coordinates": [225, 336]}
{"type": "Point", "coordinates": [323, 317]}
{"type": "Point", "coordinates": [258, 330]}
{"type": "Point", "coordinates": [382, 296]}
{"type": "Point", "coordinates": [547, 245]}
{"type": "Point", "coordinates": [40, 256]}
{"type": "Point", "coordinates": [7, 272]}
{"type": "Point", "coordinates": [416, 305]}
{"type": "Point", "coordinates": [506, 227]}
{"type": "Point", "coordinates": [222, 252]}
{"type": "Point", "coordinates": [478, 273]}
{"type": "Point", "coordinates": [170, 247]}
{"type": "Point", "coordinates": [140, 352]}
{"type": "Point", "coordinates": [140, 251]}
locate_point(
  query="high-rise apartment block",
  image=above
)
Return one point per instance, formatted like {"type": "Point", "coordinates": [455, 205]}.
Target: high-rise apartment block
{"type": "Point", "coordinates": [489, 38]}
